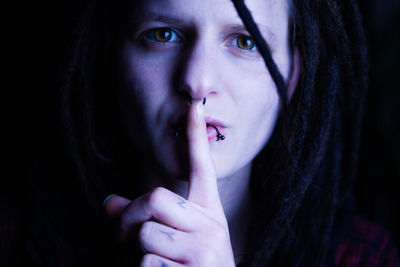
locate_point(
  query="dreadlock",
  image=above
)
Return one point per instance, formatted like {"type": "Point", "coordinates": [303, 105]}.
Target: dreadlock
{"type": "Point", "coordinates": [304, 175]}
{"type": "Point", "coordinates": [318, 161]}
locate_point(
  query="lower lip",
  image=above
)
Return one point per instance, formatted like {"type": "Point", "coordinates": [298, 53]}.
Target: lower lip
{"type": "Point", "coordinates": [212, 133]}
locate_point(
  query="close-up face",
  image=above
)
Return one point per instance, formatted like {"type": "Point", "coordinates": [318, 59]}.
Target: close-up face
{"type": "Point", "coordinates": [177, 50]}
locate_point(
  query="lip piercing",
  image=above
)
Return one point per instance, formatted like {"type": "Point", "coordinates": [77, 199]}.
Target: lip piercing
{"type": "Point", "coordinates": [219, 135]}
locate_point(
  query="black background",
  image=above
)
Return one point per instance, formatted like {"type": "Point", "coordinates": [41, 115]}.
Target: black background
{"type": "Point", "coordinates": [38, 34]}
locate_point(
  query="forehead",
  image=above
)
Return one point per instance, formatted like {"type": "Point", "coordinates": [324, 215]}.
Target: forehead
{"type": "Point", "coordinates": [268, 13]}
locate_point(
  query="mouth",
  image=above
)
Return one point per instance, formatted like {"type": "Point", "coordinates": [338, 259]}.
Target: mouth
{"type": "Point", "coordinates": [214, 133]}
{"type": "Point", "coordinates": [215, 129]}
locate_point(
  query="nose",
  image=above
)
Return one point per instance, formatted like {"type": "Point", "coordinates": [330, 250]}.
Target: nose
{"type": "Point", "coordinates": [198, 78]}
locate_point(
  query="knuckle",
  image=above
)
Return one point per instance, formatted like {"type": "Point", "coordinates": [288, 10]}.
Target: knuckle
{"type": "Point", "coordinates": [148, 260]}
{"type": "Point", "coordinates": [208, 252]}
{"type": "Point", "coordinates": [156, 196]}
{"type": "Point", "coordinates": [207, 255]}
{"type": "Point", "coordinates": [145, 232]}
{"type": "Point", "coordinates": [218, 231]}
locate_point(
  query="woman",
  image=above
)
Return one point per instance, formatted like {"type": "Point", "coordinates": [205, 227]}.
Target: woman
{"type": "Point", "coordinates": [217, 134]}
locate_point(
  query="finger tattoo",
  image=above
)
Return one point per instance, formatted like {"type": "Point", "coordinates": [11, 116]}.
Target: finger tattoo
{"type": "Point", "coordinates": [182, 203]}
{"type": "Point", "coordinates": [163, 264]}
{"type": "Point", "coordinates": [168, 234]}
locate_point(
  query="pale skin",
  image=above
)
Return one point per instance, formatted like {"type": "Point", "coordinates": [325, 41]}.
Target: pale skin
{"type": "Point", "coordinates": [181, 235]}
{"type": "Point", "coordinates": [187, 224]}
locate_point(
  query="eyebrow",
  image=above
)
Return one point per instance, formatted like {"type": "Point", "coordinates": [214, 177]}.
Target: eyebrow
{"type": "Point", "coordinates": [150, 15]}
{"type": "Point", "coordinates": [264, 29]}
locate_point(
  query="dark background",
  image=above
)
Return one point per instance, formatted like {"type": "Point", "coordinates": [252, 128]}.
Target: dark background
{"type": "Point", "coordinates": [39, 34]}
{"type": "Point", "coordinates": [378, 185]}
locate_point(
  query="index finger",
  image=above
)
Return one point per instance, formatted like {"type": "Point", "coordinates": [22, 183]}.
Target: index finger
{"type": "Point", "coordinates": [203, 189]}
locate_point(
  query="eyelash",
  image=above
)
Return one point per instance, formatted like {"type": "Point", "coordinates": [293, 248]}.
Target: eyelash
{"type": "Point", "coordinates": [150, 36]}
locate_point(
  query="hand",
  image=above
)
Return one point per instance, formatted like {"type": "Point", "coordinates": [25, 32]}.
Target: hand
{"type": "Point", "coordinates": [176, 231]}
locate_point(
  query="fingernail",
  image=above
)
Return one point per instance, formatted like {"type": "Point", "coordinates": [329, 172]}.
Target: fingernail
{"type": "Point", "coordinates": [108, 198]}
{"type": "Point", "coordinates": [199, 111]}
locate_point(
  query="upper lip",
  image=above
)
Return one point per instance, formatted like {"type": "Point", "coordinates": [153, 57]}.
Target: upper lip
{"type": "Point", "coordinates": [181, 122]}
{"type": "Point", "coordinates": [215, 122]}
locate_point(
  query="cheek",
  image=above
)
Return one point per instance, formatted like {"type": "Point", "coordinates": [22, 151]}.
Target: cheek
{"type": "Point", "coordinates": [148, 86]}
{"type": "Point", "coordinates": [259, 104]}
{"type": "Point", "coordinates": [149, 82]}
{"type": "Point", "coordinates": [263, 115]}
{"type": "Point", "coordinates": [255, 98]}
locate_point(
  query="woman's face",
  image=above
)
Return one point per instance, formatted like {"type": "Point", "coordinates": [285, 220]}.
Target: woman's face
{"type": "Point", "coordinates": [173, 49]}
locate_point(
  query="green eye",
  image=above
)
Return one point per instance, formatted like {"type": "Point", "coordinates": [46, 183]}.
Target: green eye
{"type": "Point", "coordinates": [245, 42]}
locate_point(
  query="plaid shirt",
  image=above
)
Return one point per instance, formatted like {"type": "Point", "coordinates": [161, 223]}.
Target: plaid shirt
{"type": "Point", "coordinates": [362, 244]}
{"type": "Point", "coordinates": [365, 244]}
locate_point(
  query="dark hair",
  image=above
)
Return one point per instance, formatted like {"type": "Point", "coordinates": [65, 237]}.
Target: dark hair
{"type": "Point", "coordinates": [303, 177]}
{"type": "Point", "coordinates": [318, 155]}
